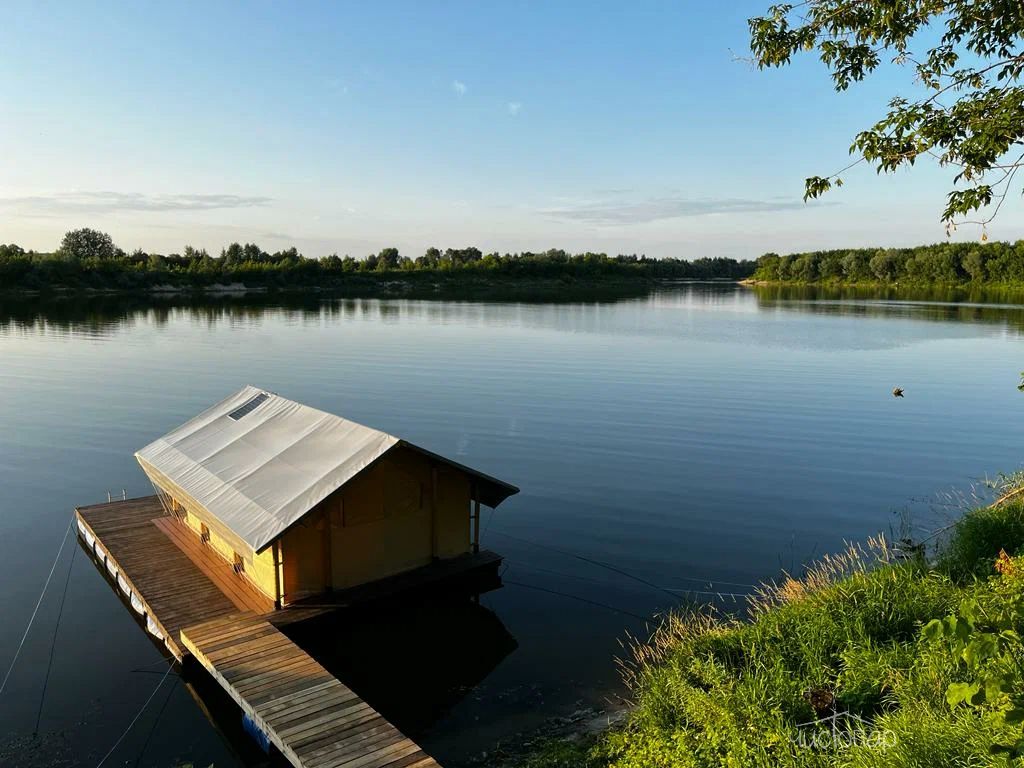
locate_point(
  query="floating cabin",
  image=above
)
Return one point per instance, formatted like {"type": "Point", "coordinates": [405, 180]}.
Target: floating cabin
{"type": "Point", "coordinates": [269, 512]}
{"type": "Point", "coordinates": [303, 503]}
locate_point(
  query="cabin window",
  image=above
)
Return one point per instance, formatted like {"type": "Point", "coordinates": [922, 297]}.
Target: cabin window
{"type": "Point", "coordinates": [239, 563]}
{"type": "Point", "coordinates": [204, 533]}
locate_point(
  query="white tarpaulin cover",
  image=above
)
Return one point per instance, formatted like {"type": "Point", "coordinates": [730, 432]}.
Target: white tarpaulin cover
{"type": "Point", "coordinates": [258, 462]}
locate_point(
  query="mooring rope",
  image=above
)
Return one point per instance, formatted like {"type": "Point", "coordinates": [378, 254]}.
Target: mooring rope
{"type": "Point", "coordinates": [667, 588]}
{"type": "Point", "coordinates": [578, 598]}
{"type": "Point", "coordinates": [35, 610]}
{"type": "Point", "coordinates": [615, 569]}
{"type": "Point", "coordinates": [136, 718]}
{"type": "Point", "coordinates": [53, 640]}
{"type": "Point", "coordinates": [156, 722]}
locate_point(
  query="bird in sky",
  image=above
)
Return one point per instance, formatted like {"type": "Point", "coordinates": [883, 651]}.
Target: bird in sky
{"type": "Point", "coordinates": [897, 392]}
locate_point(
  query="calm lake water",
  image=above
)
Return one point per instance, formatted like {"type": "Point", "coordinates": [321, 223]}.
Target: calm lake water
{"type": "Point", "coordinates": [697, 440]}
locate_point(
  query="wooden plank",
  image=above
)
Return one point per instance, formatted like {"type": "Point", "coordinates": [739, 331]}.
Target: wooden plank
{"type": "Point", "coordinates": [269, 651]}
{"type": "Point", "coordinates": [342, 732]}
{"type": "Point", "coordinates": [256, 678]}
{"type": "Point", "coordinates": [380, 757]}
{"type": "Point", "coordinates": [304, 677]}
{"type": "Point", "coordinates": [324, 689]}
{"type": "Point", "coordinates": [321, 702]}
{"type": "Point", "coordinates": [356, 750]}
{"type": "Point", "coordinates": [231, 637]}
{"type": "Point", "coordinates": [415, 760]}
{"type": "Point", "coordinates": [358, 743]}
{"type": "Point", "coordinates": [332, 718]}
{"type": "Point", "coordinates": [221, 625]}
{"type": "Point", "coordinates": [289, 717]}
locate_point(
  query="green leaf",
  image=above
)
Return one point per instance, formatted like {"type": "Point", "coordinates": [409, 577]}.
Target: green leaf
{"type": "Point", "coordinates": [934, 629]}
{"type": "Point", "coordinates": [980, 649]}
{"type": "Point", "coordinates": [995, 686]}
{"type": "Point", "coordinates": [957, 693]}
{"type": "Point", "coordinates": [962, 628]}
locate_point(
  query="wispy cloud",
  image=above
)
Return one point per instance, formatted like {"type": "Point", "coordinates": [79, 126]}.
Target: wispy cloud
{"type": "Point", "coordinates": [613, 212]}
{"type": "Point", "coordinates": [514, 107]}
{"type": "Point", "coordinates": [459, 87]}
{"type": "Point", "coordinates": [110, 202]}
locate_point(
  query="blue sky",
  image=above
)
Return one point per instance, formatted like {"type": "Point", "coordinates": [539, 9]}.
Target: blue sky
{"type": "Point", "coordinates": [347, 127]}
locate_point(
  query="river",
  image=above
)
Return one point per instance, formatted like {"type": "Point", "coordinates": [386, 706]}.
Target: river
{"type": "Point", "coordinates": [680, 445]}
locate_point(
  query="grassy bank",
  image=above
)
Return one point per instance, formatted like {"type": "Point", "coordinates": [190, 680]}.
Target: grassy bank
{"type": "Point", "coordinates": [846, 638]}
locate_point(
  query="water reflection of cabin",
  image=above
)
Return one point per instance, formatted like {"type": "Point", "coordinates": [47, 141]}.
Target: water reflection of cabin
{"type": "Point", "coordinates": [303, 502]}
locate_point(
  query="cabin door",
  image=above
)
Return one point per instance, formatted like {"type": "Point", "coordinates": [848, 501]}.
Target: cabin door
{"type": "Point", "coordinates": [306, 571]}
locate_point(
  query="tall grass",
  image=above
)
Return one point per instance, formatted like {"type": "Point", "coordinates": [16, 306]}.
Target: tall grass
{"type": "Point", "coordinates": [714, 690]}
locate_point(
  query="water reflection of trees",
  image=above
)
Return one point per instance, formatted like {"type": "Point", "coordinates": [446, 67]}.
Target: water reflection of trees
{"type": "Point", "coordinates": [105, 315]}
{"type": "Point", "coordinates": [992, 306]}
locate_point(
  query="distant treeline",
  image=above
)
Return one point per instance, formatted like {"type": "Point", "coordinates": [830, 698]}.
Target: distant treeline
{"type": "Point", "coordinates": [89, 259]}
{"type": "Point", "coordinates": [943, 263]}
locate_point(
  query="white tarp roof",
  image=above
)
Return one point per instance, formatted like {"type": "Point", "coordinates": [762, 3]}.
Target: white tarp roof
{"type": "Point", "coordinates": [259, 462]}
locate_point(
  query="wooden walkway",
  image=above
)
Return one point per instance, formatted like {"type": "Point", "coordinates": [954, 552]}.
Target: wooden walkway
{"type": "Point", "coordinates": [202, 608]}
{"type": "Point", "coordinates": [312, 718]}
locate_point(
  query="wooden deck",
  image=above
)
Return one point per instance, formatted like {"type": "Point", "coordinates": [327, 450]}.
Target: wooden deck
{"type": "Point", "coordinates": [312, 718]}
{"type": "Point", "coordinates": [176, 578]}
{"type": "Point", "coordinates": [203, 609]}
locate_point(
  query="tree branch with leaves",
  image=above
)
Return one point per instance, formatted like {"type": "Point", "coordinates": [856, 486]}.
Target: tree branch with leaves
{"type": "Point", "coordinates": [966, 57]}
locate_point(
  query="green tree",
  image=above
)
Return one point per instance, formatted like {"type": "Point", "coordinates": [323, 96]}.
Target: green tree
{"type": "Point", "coordinates": [430, 259]}
{"type": "Point", "coordinates": [855, 266]}
{"type": "Point", "coordinates": [85, 243]}
{"type": "Point", "coordinates": [768, 267]}
{"type": "Point", "coordinates": [974, 264]}
{"type": "Point", "coordinates": [388, 258]}
{"type": "Point", "coordinates": [967, 55]}
{"type": "Point", "coordinates": [232, 255]}
{"type": "Point", "coordinates": [883, 266]}
{"type": "Point", "coordinates": [805, 268]}
{"type": "Point", "coordinates": [195, 254]}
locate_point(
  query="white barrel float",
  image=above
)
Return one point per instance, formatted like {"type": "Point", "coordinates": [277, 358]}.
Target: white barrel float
{"type": "Point", "coordinates": [90, 540]}
{"type": "Point", "coordinates": [152, 628]}
{"type": "Point", "coordinates": [137, 605]}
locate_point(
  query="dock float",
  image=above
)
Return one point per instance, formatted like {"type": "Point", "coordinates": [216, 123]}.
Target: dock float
{"type": "Point", "coordinates": [194, 602]}
{"type": "Point", "coordinates": [312, 718]}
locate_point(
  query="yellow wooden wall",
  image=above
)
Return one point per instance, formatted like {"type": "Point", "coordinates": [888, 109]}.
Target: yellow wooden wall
{"type": "Point", "coordinates": [381, 521]}
{"type": "Point", "coordinates": [378, 525]}
{"type": "Point", "coordinates": [305, 558]}
{"type": "Point", "coordinates": [258, 569]}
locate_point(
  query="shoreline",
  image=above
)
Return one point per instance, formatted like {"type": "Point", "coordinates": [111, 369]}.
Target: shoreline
{"type": "Point", "coordinates": [369, 288]}
{"type": "Point", "coordinates": [853, 637]}
{"type": "Point", "coordinates": [751, 282]}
